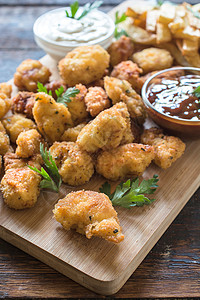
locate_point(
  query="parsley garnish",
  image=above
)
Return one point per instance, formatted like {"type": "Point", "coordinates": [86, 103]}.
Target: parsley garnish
{"type": "Point", "coordinates": [196, 92]}
{"type": "Point", "coordinates": [42, 88]}
{"type": "Point", "coordinates": [65, 98]}
{"type": "Point", "coordinates": [131, 193]}
{"type": "Point", "coordinates": [52, 179]}
{"type": "Point", "coordinates": [86, 9]}
{"type": "Point", "coordinates": [119, 31]}
{"type": "Point", "coordinates": [159, 2]}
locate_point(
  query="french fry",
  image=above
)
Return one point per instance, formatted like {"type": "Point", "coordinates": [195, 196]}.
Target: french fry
{"type": "Point", "coordinates": [163, 33]}
{"type": "Point", "coordinates": [151, 20]}
{"type": "Point", "coordinates": [187, 33]}
{"type": "Point", "coordinates": [193, 60]}
{"type": "Point", "coordinates": [177, 24]}
{"type": "Point", "coordinates": [190, 47]}
{"type": "Point", "coordinates": [167, 13]}
{"type": "Point", "coordinates": [176, 53]}
{"type": "Point", "coordinates": [130, 12]}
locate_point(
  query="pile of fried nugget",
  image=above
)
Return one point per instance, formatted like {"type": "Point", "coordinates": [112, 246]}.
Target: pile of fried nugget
{"type": "Point", "coordinates": [100, 130]}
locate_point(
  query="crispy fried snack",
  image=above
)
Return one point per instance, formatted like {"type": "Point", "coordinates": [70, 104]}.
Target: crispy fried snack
{"type": "Point", "coordinates": [12, 161]}
{"type": "Point", "coordinates": [6, 88]}
{"type": "Point", "coordinates": [129, 71]}
{"type": "Point", "coordinates": [91, 214]}
{"type": "Point", "coordinates": [0, 164]}
{"type": "Point", "coordinates": [52, 118]}
{"type": "Point", "coordinates": [96, 100]}
{"type": "Point", "coordinates": [120, 50]}
{"type": "Point", "coordinates": [71, 134]}
{"type": "Point", "coordinates": [167, 148]}
{"type": "Point", "coordinates": [4, 140]}
{"type": "Point", "coordinates": [108, 130]}
{"type": "Point", "coordinates": [121, 90]}
{"type": "Point", "coordinates": [74, 165]}
{"type": "Point", "coordinates": [17, 123]}
{"type": "Point", "coordinates": [29, 73]}
{"type": "Point", "coordinates": [28, 143]}
{"type": "Point", "coordinates": [55, 85]}
{"type": "Point", "coordinates": [5, 104]}
{"type": "Point", "coordinates": [152, 59]}
{"type": "Point", "coordinates": [23, 103]}
{"type": "Point", "coordinates": [124, 161]}
{"type": "Point", "coordinates": [84, 64]}
{"type": "Point", "coordinates": [77, 107]}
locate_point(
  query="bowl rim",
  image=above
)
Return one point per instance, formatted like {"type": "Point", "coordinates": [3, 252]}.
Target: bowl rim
{"type": "Point", "coordinates": [148, 103]}
{"type": "Point", "coordinates": [109, 35]}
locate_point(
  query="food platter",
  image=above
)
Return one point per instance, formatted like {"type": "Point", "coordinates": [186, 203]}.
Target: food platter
{"type": "Point", "coordinates": [97, 264]}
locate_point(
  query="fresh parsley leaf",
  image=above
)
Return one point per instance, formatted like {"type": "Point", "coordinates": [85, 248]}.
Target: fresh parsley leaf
{"type": "Point", "coordinates": [159, 2]}
{"type": "Point", "coordinates": [88, 7]}
{"type": "Point", "coordinates": [119, 32]}
{"type": "Point", "coordinates": [119, 19]}
{"type": "Point", "coordinates": [42, 88]}
{"type": "Point", "coordinates": [52, 179]}
{"type": "Point", "coordinates": [65, 98]}
{"type": "Point", "coordinates": [131, 193]}
{"type": "Point", "coordinates": [196, 92]}
{"type": "Point", "coordinates": [195, 13]}
{"type": "Point", "coordinates": [59, 91]}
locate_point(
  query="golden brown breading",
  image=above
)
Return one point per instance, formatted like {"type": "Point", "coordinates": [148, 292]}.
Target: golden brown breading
{"type": "Point", "coordinates": [120, 50]}
{"type": "Point", "coordinates": [29, 73]}
{"type": "Point", "coordinates": [77, 107]}
{"type": "Point", "coordinates": [52, 118]}
{"type": "Point", "coordinates": [71, 134]}
{"type": "Point", "coordinates": [5, 104]}
{"type": "Point", "coordinates": [28, 143]}
{"type": "Point", "coordinates": [167, 148]}
{"type": "Point", "coordinates": [152, 59]}
{"type": "Point", "coordinates": [89, 213]}
{"type": "Point", "coordinates": [23, 103]}
{"type": "Point", "coordinates": [74, 165]}
{"type": "Point", "coordinates": [129, 71]}
{"type": "Point", "coordinates": [108, 130]}
{"type": "Point", "coordinates": [124, 161]}
{"type": "Point", "coordinates": [96, 100]}
{"type": "Point", "coordinates": [12, 161]}
{"type": "Point", "coordinates": [4, 140]}
{"type": "Point", "coordinates": [55, 85]}
{"type": "Point", "coordinates": [84, 64]}
{"type": "Point", "coordinates": [6, 88]}
{"type": "Point", "coordinates": [121, 90]}
{"type": "Point", "coordinates": [0, 164]}
{"type": "Point", "coordinates": [17, 123]}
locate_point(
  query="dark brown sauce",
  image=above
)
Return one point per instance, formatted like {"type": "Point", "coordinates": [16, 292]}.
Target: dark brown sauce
{"type": "Point", "coordinates": [174, 97]}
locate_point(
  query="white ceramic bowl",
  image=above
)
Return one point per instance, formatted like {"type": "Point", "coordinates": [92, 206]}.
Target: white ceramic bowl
{"type": "Point", "coordinates": [57, 50]}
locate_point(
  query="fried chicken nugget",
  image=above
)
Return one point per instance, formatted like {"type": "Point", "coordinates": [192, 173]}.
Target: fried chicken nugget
{"type": "Point", "coordinates": [83, 65]}
{"type": "Point", "coordinates": [4, 140]}
{"type": "Point", "coordinates": [75, 166]}
{"type": "Point", "coordinates": [96, 100]}
{"type": "Point", "coordinates": [52, 118]}
{"type": "Point", "coordinates": [124, 161]}
{"type": "Point", "coordinates": [152, 59]}
{"type": "Point", "coordinates": [167, 148]}
{"type": "Point", "coordinates": [129, 71]}
{"type": "Point", "coordinates": [13, 161]}
{"type": "Point", "coordinates": [121, 90]}
{"type": "Point", "coordinates": [71, 134]}
{"type": "Point", "coordinates": [89, 213]}
{"type": "Point", "coordinates": [120, 50]}
{"type": "Point", "coordinates": [77, 107]}
{"type": "Point", "coordinates": [5, 104]}
{"type": "Point", "coordinates": [16, 124]}
{"type": "Point", "coordinates": [29, 73]}
{"type": "Point", "coordinates": [23, 103]}
{"type": "Point", "coordinates": [108, 130]}
{"type": "Point", "coordinates": [28, 143]}
{"type": "Point", "coordinates": [6, 88]}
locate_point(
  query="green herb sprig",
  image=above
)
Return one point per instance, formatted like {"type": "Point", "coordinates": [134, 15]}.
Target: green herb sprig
{"type": "Point", "coordinates": [43, 89]}
{"type": "Point", "coordinates": [52, 179]}
{"type": "Point", "coordinates": [119, 31]}
{"type": "Point", "coordinates": [74, 7]}
{"type": "Point", "coordinates": [130, 193]}
{"type": "Point", "coordinates": [196, 93]}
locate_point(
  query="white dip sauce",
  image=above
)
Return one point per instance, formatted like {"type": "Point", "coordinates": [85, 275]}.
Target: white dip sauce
{"type": "Point", "coordinates": [55, 26]}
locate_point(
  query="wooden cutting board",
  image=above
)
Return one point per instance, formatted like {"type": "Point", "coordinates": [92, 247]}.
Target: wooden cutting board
{"type": "Point", "coordinates": [96, 264]}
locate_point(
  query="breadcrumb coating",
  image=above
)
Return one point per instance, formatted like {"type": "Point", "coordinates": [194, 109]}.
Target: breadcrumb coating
{"type": "Point", "coordinates": [108, 130]}
{"type": "Point", "coordinates": [83, 65]}
{"type": "Point", "coordinates": [167, 148]}
{"type": "Point", "coordinates": [96, 100]}
{"type": "Point", "coordinates": [6, 88]}
{"type": "Point", "coordinates": [28, 143]}
{"type": "Point", "coordinates": [71, 134]}
{"type": "Point", "coordinates": [125, 161]}
{"type": "Point", "coordinates": [23, 103]}
{"type": "Point", "coordinates": [5, 104]}
{"type": "Point", "coordinates": [4, 140]}
{"type": "Point", "coordinates": [75, 166]}
{"type": "Point", "coordinates": [13, 161]}
{"type": "Point", "coordinates": [89, 213]}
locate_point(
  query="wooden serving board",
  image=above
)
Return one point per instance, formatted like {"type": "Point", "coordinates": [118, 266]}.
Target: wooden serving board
{"type": "Point", "coordinates": [97, 264]}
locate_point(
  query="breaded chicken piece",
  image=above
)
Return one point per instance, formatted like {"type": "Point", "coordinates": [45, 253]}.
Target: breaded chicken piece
{"type": "Point", "coordinates": [29, 73]}
{"type": "Point", "coordinates": [28, 143]}
{"type": "Point", "coordinates": [108, 130]}
{"type": "Point", "coordinates": [52, 118]}
{"type": "Point", "coordinates": [6, 88]}
{"type": "Point", "coordinates": [167, 148]}
{"type": "Point", "coordinates": [120, 50]}
{"type": "Point", "coordinates": [84, 64]}
{"type": "Point", "coordinates": [23, 103]}
{"type": "Point", "coordinates": [16, 124]}
{"type": "Point", "coordinates": [13, 161]}
{"type": "Point", "coordinates": [121, 90]}
{"type": "Point", "coordinates": [77, 107]}
{"type": "Point", "coordinates": [5, 104]}
{"type": "Point", "coordinates": [0, 164]}
{"type": "Point", "coordinates": [96, 100]}
{"type": "Point", "coordinates": [152, 59]}
{"type": "Point", "coordinates": [75, 166]}
{"type": "Point", "coordinates": [71, 134]}
{"type": "Point", "coordinates": [129, 71]}
{"type": "Point", "coordinates": [125, 161]}
{"type": "Point", "coordinates": [89, 213]}
{"type": "Point", "coordinates": [4, 140]}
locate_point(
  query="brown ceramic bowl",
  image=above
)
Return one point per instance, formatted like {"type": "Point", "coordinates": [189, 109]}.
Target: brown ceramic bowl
{"type": "Point", "coordinates": [176, 125]}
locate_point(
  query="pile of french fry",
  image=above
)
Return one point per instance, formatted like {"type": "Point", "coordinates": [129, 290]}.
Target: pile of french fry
{"type": "Point", "coordinates": [168, 26]}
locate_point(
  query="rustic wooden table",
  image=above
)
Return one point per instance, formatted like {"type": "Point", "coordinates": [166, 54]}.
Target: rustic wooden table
{"type": "Point", "coordinates": [171, 269]}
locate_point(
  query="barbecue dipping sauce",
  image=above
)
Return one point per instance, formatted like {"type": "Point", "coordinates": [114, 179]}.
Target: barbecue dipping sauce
{"type": "Point", "coordinates": [174, 97]}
